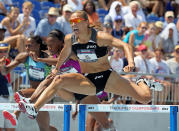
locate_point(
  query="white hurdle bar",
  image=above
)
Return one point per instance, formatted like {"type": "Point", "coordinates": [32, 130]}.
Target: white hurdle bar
{"type": "Point", "coordinates": [102, 108]}
{"type": "Point", "coordinates": [128, 108]}
{"type": "Point", "coordinates": [47, 107]}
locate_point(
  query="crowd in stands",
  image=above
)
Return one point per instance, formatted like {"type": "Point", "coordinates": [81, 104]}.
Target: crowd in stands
{"type": "Point", "coordinates": [151, 27]}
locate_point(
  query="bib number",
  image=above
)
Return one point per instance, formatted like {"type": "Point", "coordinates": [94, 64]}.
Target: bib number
{"type": "Point", "coordinates": [87, 55]}
{"type": "Point", "coordinates": [36, 73]}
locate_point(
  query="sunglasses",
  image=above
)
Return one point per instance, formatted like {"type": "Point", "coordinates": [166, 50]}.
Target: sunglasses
{"type": "Point", "coordinates": [76, 20]}
{"type": "Point", "coordinates": [52, 16]}
{"type": "Point", "coordinates": [144, 28]}
{"type": "Point", "coordinates": [144, 50]}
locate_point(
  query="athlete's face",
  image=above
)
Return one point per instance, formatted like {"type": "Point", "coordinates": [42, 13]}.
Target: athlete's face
{"type": "Point", "coordinates": [31, 46]}
{"type": "Point", "coordinates": [54, 45]}
{"type": "Point", "coordinates": [78, 23]}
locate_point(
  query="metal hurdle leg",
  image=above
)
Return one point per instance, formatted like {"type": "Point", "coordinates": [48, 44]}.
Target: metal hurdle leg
{"type": "Point", "coordinates": [67, 109]}
{"type": "Point", "coordinates": [173, 118]}
{"type": "Point", "coordinates": [82, 113]}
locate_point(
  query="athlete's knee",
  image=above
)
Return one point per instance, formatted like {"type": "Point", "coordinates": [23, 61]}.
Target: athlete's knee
{"type": "Point", "coordinates": [146, 98]}
{"type": "Point", "coordinates": [57, 82]}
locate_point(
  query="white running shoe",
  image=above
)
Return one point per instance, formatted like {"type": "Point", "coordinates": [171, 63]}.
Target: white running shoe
{"type": "Point", "coordinates": [152, 84]}
{"type": "Point", "coordinates": [11, 117]}
{"type": "Point", "coordinates": [28, 109]}
{"type": "Point", "coordinates": [18, 97]}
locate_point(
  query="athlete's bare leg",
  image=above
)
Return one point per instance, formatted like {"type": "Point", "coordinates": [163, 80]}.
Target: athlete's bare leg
{"type": "Point", "coordinates": [71, 82]}
{"type": "Point", "coordinates": [121, 86]}
{"type": "Point", "coordinates": [43, 120]}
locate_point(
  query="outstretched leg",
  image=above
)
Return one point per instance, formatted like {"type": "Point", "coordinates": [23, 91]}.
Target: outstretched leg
{"type": "Point", "coordinates": [121, 86]}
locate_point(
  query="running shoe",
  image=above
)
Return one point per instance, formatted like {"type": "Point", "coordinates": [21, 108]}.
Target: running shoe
{"type": "Point", "coordinates": [152, 84]}
{"type": "Point", "coordinates": [18, 97]}
{"type": "Point", "coordinates": [28, 109]}
{"type": "Point", "coordinates": [11, 117]}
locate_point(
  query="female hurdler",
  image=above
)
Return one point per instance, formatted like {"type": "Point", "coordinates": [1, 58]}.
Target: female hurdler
{"type": "Point", "coordinates": [91, 49]}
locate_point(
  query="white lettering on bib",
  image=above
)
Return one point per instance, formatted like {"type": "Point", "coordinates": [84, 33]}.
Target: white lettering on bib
{"type": "Point", "coordinates": [69, 69]}
{"type": "Point", "coordinates": [87, 55]}
{"type": "Point", "coordinates": [36, 73]}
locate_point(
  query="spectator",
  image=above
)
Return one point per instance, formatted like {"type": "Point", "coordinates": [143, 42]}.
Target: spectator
{"type": "Point", "coordinates": [16, 47]}
{"type": "Point", "coordinates": [116, 60]}
{"type": "Point", "coordinates": [90, 9]}
{"type": "Point", "coordinates": [31, 25]}
{"type": "Point", "coordinates": [169, 18]}
{"type": "Point", "coordinates": [160, 67]}
{"type": "Point", "coordinates": [76, 4]}
{"type": "Point", "coordinates": [108, 28]}
{"type": "Point", "coordinates": [133, 19]}
{"type": "Point", "coordinates": [65, 18]}
{"type": "Point", "coordinates": [149, 37]}
{"type": "Point", "coordinates": [142, 64]}
{"type": "Point", "coordinates": [135, 37]}
{"type": "Point", "coordinates": [46, 25]}
{"type": "Point", "coordinates": [169, 34]}
{"type": "Point", "coordinates": [12, 25]}
{"type": "Point", "coordinates": [158, 40]}
{"type": "Point", "coordinates": [3, 10]}
{"type": "Point", "coordinates": [154, 7]}
{"type": "Point", "coordinates": [4, 92]}
{"type": "Point", "coordinates": [114, 11]}
{"type": "Point", "coordinates": [2, 32]}
{"type": "Point", "coordinates": [117, 28]}
{"type": "Point", "coordinates": [173, 64]}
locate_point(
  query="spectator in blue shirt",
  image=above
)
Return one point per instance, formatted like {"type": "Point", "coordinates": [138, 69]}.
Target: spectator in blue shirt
{"type": "Point", "coordinates": [64, 19]}
{"type": "Point", "coordinates": [48, 24]}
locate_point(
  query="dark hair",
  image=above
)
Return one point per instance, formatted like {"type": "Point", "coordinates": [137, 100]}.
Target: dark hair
{"type": "Point", "coordinates": [82, 13]}
{"type": "Point", "coordinates": [94, 8]}
{"type": "Point", "coordinates": [38, 40]}
{"type": "Point", "coordinates": [58, 34]}
{"type": "Point", "coordinates": [159, 49]}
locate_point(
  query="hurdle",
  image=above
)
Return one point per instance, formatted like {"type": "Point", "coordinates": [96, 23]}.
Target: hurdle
{"type": "Point", "coordinates": [47, 107]}
{"type": "Point", "coordinates": [128, 108]}
{"type": "Point", "coordinates": [101, 108]}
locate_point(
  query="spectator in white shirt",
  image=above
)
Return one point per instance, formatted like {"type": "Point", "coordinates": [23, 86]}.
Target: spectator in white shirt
{"type": "Point", "coordinates": [133, 19]}
{"type": "Point", "coordinates": [160, 67]}
{"type": "Point", "coordinates": [76, 4]}
{"type": "Point", "coordinates": [142, 64]}
{"type": "Point", "coordinates": [31, 25]}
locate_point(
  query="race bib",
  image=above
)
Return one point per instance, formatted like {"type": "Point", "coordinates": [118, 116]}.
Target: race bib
{"type": "Point", "coordinates": [87, 55]}
{"type": "Point", "coordinates": [68, 70]}
{"type": "Point", "coordinates": [36, 73]}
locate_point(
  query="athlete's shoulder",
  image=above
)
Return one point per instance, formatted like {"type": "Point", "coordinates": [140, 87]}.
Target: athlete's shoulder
{"type": "Point", "coordinates": [68, 37]}
{"type": "Point", "coordinates": [22, 56]}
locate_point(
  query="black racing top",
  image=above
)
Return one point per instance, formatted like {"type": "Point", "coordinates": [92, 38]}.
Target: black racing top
{"type": "Point", "coordinates": [88, 52]}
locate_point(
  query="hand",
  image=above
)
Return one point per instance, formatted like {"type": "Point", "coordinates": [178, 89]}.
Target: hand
{"type": "Point", "coordinates": [105, 102]}
{"type": "Point", "coordinates": [52, 74]}
{"type": "Point", "coordinates": [2, 61]}
{"type": "Point", "coordinates": [33, 55]}
{"type": "Point", "coordinates": [128, 68]}
{"type": "Point", "coordinates": [74, 115]}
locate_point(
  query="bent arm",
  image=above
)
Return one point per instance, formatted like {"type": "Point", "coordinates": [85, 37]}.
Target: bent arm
{"type": "Point", "coordinates": [20, 58]}
{"type": "Point", "coordinates": [66, 52]}
{"type": "Point", "coordinates": [50, 60]}
{"type": "Point", "coordinates": [10, 39]}
{"type": "Point", "coordinates": [104, 39]}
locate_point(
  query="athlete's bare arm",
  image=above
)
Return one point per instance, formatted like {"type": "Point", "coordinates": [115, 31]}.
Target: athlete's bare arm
{"type": "Point", "coordinates": [105, 39]}
{"type": "Point", "coordinates": [66, 51]}
{"type": "Point", "coordinates": [20, 58]}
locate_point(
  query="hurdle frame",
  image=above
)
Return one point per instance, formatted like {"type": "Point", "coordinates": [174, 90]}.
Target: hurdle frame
{"type": "Point", "coordinates": [82, 116]}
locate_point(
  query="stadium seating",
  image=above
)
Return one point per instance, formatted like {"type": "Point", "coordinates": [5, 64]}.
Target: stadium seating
{"type": "Point", "coordinates": [102, 13]}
